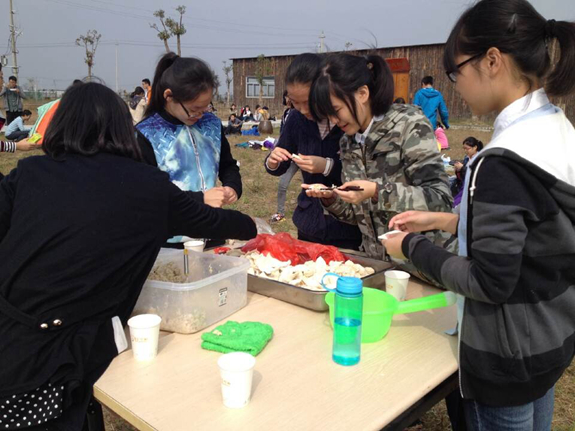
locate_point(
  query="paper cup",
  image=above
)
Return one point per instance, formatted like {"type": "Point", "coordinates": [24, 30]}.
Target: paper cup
{"type": "Point", "coordinates": [237, 370]}
{"type": "Point", "coordinates": [396, 284]}
{"type": "Point", "coordinates": [195, 245]}
{"type": "Point", "coordinates": [144, 333]}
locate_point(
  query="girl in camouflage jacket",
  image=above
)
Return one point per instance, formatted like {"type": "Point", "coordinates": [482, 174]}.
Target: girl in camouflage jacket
{"type": "Point", "coordinates": [388, 150]}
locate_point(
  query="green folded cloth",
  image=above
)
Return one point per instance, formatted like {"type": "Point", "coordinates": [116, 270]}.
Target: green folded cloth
{"type": "Point", "coordinates": [249, 337]}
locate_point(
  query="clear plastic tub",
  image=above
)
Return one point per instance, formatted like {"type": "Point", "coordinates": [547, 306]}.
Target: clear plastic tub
{"type": "Point", "coordinates": [215, 288]}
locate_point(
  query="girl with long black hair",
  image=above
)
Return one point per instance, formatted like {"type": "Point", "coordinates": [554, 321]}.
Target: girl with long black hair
{"type": "Point", "coordinates": [69, 284]}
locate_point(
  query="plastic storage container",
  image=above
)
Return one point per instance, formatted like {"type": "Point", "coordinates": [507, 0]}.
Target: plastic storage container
{"type": "Point", "coordinates": [215, 288]}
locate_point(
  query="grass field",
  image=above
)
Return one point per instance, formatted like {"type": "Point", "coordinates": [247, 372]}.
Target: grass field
{"type": "Point", "coordinates": [259, 200]}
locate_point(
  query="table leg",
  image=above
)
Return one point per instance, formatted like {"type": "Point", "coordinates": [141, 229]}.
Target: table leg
{"type": "Point", "coordinates": [94, 416]}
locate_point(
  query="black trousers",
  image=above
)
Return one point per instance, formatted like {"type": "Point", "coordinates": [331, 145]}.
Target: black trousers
{"type": "Point", "coordinates": [18, 135]}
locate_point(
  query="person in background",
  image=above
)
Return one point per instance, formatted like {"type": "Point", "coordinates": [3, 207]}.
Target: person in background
{"type": "Point", "coordinates": [471, 146]}
{"type": "Point", "coordinates": [211, 108]}
{"type": "Point", "coordinates": [69, 284]}
{"type": "Point", "coordinates": [441, 137]}
{"type": "Point", "coordinates": [180, 138]}
{"type": "Point", "coordinates": [246, 114]}
{"type": "Point", "coordinates": [137, 104]}
{"type": "Point", "coordinates": [233, 109]}
{"type": "Point", "coordinates": [286, 178]}
{"type": "Point", "coordinates": [234, 126]}
{"type": "Point", "coordinates": [316, 145]}
{"type": "Point", "coordinates": [146, 85]}
{"type": "Point", "coordinates": [16, 130]}
{"type": "Point", "coordinates": [514, 272]}
{"type": "Point", "coordinates": [13, 99]}
{"type": "Point", "coordinates": [431, 101]}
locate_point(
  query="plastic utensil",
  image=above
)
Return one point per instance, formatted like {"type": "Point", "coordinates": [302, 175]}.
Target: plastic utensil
{"type": "Point", "coordinates": [379, 308]}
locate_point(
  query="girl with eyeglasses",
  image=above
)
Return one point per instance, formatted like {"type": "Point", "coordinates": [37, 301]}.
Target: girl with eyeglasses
{"type": "Point", "coordinates": [514, 273]}
{"type": "Point", "coordinates": [179, 137]}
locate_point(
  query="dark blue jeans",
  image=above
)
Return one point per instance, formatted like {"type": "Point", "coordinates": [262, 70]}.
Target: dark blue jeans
{"type": "Point", "coordinates": [534, 416]}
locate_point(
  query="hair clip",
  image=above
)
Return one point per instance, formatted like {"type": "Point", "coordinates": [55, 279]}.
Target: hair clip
{"type": "Point", "coordinates": [370, 65]}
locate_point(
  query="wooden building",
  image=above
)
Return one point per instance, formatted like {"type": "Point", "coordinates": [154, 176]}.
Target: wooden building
{"type": "Point", "coordinates": [416, 62]}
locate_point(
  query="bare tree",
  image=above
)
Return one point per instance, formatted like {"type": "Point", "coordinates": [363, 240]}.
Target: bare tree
{"type": "Point", "coordinates": [217, 83]}
{"type": "Point", "coordinates": [263, 69]}
{"type": "Point", "coordinates": [227, 71]}
{"type": "Point", "coordinates": [348, 46]}
{"type": "Point", "coordinates": [164, 33]}
{"type": "Point", "coordinates": [176, 28]}
{"type": "Point", "coordinates": [90, 43]}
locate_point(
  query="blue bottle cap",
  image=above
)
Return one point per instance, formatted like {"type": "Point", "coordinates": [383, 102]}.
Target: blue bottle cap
{"type": "Point", "coordinates": [349, 285]}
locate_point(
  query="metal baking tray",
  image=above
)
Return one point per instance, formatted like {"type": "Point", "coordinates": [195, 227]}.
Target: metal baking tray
{"type": "Point", "coordinates": [312, 299]}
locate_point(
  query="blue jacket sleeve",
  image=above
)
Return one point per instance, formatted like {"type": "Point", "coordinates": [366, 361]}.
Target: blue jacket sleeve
{"type": "Point", "coordinates": [417, 98]}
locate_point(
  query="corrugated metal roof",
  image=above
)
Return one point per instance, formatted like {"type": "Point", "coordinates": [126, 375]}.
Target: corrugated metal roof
{"type": "Point", "coordinates": [333, 52]}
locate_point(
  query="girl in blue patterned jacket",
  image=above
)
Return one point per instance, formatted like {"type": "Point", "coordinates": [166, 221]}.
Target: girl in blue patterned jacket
{"type": "Point", "coordinates": [179, 137]}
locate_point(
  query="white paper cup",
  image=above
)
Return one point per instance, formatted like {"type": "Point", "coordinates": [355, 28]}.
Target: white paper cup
{"type": "Point", "coordinates": [237, 370]}
{"type": "Point", "coordinates": [144, 333]}
{"type": "Point", "coordinates": [195, 245]}
{"type": "Point", "coordinates": [396, 284]}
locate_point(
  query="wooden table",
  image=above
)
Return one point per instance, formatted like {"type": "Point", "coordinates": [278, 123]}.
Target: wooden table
{"type": "Point", "coordinates": [296, 385]}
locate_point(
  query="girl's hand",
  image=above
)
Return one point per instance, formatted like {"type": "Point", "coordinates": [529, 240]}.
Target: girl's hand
{"type": "Point", "coordinates": [230, 195]}
{"type": "Point", "coordinates": [369, 188]}
{"type": "Point", "coordinates": [414, 221]}
{"type": "Point", "coordinates": [312, 191]}
{"type": "Point", "coordinates": [24, 145]}
{"type": "Point", "coordinates": [393, 245]}
{"type": "Point", "coordinates": [277, 156]}
{"type": "Point", "coordinates": [458, 166]}
{"type": "Point", "coordinates": [215, 197]}
{"type": "Point", "coordinates": [311, 164]}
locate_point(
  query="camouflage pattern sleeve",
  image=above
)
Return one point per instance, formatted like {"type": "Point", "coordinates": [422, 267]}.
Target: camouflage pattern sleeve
{"type": "Point", "coordinates": [342, 211]}
{"type": "Point", "coordinates": [427, 185]}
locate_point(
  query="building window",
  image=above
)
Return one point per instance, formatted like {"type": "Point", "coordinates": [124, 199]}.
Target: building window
{"type": "Point", "coordinates": [253, 87]}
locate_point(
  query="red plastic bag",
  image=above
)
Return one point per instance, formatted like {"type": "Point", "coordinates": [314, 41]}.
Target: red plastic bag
{"type": "Point", "coordinates": [283, 247]}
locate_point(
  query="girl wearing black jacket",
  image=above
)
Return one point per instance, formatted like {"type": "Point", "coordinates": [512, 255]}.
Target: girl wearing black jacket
{"type": "Point", "coordinates": [69, 283]}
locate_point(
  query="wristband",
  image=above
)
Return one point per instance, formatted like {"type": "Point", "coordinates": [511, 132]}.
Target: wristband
{"type": "Point", "coordinates": [328, 166]}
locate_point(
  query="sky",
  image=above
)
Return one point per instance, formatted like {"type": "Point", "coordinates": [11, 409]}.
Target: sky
{"type": "Point", "coordinates": [217, 30]}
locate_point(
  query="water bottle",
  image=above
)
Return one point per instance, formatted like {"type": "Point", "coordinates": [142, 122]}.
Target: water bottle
{"type": "Point", "coordinates": [348, 308]}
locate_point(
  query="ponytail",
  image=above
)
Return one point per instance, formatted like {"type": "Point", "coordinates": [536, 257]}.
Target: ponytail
{"type": "Point", "coordinates": [342, 75]}
{"type": "Point", "coordinates": [381, 87]}
{"type": "Point", "coordinates": [186, 77]}
{"type": "Point", "coordinates": [561, 80]}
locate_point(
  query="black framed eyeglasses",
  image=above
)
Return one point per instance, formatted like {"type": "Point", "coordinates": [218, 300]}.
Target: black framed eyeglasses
{"type": "Point", "coordinates": [188, 112]}
{"type": "Point", "coordinates": [452, 75]}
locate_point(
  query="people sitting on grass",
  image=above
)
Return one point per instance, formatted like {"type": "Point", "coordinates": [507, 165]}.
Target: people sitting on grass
{"type": "Point", "coordinates": [234, 126]}
{"type": "Point", "coordinates": [233, 109]}
{"type": "Point", "coordinates": [16, 130]}
{"type": "Point", "coordinates": [246, 114]}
